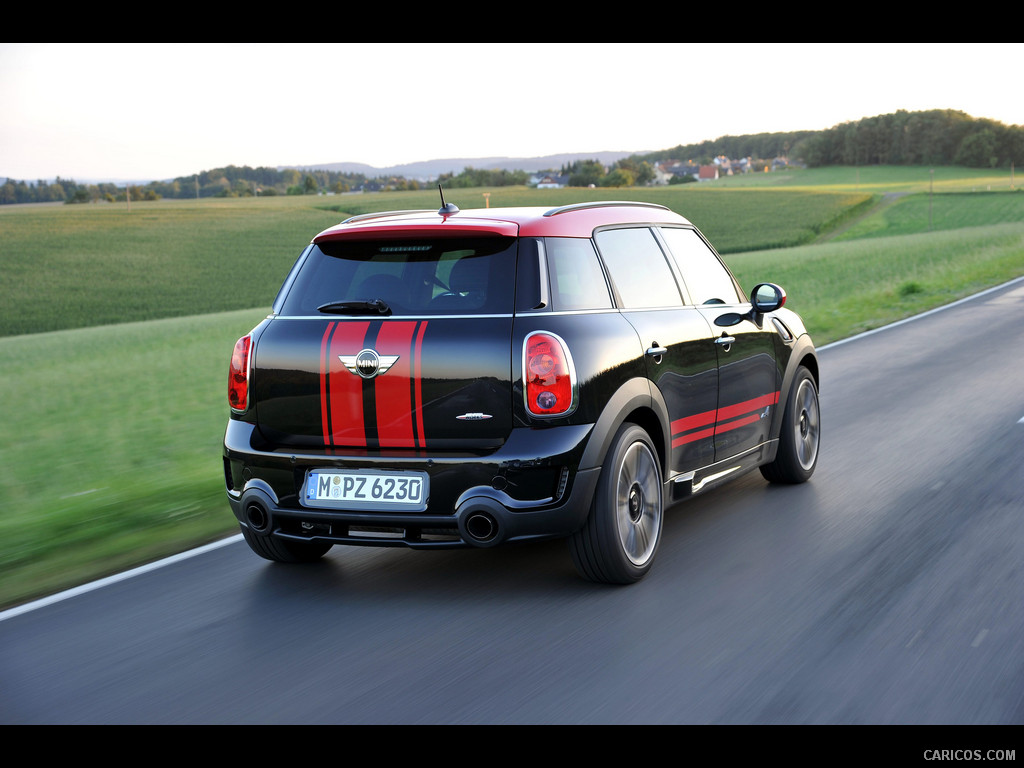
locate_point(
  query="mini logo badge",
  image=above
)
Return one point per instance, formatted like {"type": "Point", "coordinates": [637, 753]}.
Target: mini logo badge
{"type": "Point", "coordinates": [473, 416]}
{"type": "Point", "coordinates": [368, 363]}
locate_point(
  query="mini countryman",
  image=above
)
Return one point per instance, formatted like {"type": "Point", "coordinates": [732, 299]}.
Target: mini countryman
{"type": "Point", "coordinates": [433, 379]}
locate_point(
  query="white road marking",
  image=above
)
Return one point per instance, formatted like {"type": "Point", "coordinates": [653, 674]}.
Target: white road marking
{"type": "Point", "coordinates": [17, 610]}
{"type": "Point", "coordinates": [915, 318]}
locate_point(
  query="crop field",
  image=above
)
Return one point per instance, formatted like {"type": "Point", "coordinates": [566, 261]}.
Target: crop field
{"type": "Point", "coordinates": [77, 266]}
{"type": "Point", "coordinates": [117, 327]}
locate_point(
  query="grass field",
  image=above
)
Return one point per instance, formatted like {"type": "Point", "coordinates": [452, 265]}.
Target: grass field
{"type": "Point", "coordinates": [110, 443]}
{"type": "Point", "coordinates": [80, 266]}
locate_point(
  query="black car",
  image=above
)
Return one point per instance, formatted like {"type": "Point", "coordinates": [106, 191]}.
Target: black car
{"type": "Point", "coordinates": [435, 379]}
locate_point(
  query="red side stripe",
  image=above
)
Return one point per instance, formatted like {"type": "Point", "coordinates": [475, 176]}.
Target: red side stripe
{"type": "Point", "coordinates": [692, 422]}
{"type": "Point", "coordinates": [719, 420]}
{"type": "Point", "coordinates": [757, 404]}
{"type": "Point", "coordinates": [730, 425]}
{"type": "Point", "coordinates": [693, 436]}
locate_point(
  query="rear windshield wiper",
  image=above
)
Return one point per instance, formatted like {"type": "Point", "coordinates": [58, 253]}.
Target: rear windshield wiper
{"type": "Point", "coordinates": [375, 307]}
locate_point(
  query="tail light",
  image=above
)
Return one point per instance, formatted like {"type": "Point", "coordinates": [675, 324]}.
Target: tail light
{"type": "Point", "coordinates": [238, 376]}
{"type": "Point", "coordinates": [549, 376]}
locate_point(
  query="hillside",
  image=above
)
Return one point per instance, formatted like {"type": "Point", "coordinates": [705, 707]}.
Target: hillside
{"type": "Point", "coordinates": [431, 169]}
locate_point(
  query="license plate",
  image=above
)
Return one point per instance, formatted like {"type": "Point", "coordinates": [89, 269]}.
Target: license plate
{"type": "Point", "coordinates": [367, 490]}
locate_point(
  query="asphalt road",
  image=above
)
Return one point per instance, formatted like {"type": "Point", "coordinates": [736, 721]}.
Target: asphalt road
{"type": "Point", "coordinates": [888, 590]}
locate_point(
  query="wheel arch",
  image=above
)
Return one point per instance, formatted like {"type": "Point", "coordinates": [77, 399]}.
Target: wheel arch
{"type": "Point", "coordinates": [803, 355]}
{"type": "Point", "coordinates": [638, 402]}
{"type": "Point", "coordinates": [809, 360]}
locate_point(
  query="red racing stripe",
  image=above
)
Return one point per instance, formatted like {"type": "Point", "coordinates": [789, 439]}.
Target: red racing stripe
{"type": "Point", "coordinates": [718, 421]}
{"type": "Point", "coordinates": [730, 425]}
{"type": "Point", "coordinates": [393, 390]}
{"type": "Point", "coordinates": [692, 422]}
{"type": "Point", "coordinates": [345, 389]}
{"type": "Point", "coordinates": [757, 404]}
{"type": "Point", "coordinates": [692, 436]}
{"type": "Point", "coordinates": [705, 419]}
{"type": "Point", "coordinates": [325, 365]}
{"type": "Point", "coordinates": [421, 439]}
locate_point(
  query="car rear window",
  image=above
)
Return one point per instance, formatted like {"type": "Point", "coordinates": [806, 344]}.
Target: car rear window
{"type": "Point", "coordinates": [455, 276]}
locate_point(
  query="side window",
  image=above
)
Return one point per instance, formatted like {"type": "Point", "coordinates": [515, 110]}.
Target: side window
{"type": "Point", "coordinates": [575, 275]}
{"type": "Point", "coordinates": [706, 279]}
{"type": "Point", "coordinates": [638, 268]}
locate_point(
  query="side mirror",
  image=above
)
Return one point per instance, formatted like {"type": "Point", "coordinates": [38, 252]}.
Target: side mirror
{"type": "Point", "coordinates": [767, 297]}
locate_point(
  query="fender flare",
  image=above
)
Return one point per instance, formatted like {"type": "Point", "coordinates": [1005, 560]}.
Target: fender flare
{"type": "Point", "coordinates": [803, 351]}
{"type": "Point", "coordinates": [637, 394]}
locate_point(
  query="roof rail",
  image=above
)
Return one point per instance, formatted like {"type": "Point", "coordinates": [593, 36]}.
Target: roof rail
{"type": "Point", "coordinates": [381, 214]}
{"type": "Point", "coordinates": [602, 204]}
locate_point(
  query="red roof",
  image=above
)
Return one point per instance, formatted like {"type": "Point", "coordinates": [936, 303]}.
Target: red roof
{"type": "Point", "coordinates": [565, 221]}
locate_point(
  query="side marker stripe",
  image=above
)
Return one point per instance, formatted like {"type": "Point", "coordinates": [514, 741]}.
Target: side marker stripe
{"type": "Point", "coordinates": [710, 423]}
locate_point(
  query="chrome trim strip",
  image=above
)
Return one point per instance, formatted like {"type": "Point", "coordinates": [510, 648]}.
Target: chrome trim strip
{"type": "Point", "coordinates": [712, 478]}
{"type": "Point", "coordinates": [602, 204]}
{"type": "Point", "coordinates": [542, 268]}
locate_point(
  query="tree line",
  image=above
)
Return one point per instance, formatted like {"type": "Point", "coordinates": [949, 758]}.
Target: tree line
{"type": "Point", "coordinates": [934, 137]}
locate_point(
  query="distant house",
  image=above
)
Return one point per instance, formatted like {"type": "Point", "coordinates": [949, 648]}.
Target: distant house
{"type": "Point", "coordinates": [707, 173]}
{"type": "Point", "coordinates": [729, 167]}
{"type": "Point", "coordinates": [661, 175]}
{"type": "Point", "coordinates": [552, 181]}
{"type": "Point", "coordinates": [665, 172]}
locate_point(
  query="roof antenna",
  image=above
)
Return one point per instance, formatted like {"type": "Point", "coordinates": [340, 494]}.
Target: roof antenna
{"type": "Point", "coordinates": [447, 209]}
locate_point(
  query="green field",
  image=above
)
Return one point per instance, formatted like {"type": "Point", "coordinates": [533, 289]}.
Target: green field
{"type": "Point", "coordinates": [118, 325]}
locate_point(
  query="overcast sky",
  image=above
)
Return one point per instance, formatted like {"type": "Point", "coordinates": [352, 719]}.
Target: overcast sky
{"type": "Point", "coordinates": [145, 111]}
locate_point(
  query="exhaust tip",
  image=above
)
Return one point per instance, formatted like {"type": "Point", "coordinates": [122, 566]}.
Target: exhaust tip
{"type": "Point", "coordinates": [481, 527]}
{"type": "Point", "coordinates": [256, 517]}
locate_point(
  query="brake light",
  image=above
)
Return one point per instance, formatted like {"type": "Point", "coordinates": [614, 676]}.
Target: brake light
{"type": "Point", "coordinates": [238, 375]}
{"type": "Point", "coordinates": [549, 376]}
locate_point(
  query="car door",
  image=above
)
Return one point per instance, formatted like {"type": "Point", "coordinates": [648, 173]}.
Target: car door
{"type": "Point", "coordinates": [675, 339]}
{"type": "Point", "coordinates": [748, 377]}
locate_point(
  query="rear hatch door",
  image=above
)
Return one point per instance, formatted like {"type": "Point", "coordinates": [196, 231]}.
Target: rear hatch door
{"type": "Point", "coordinates": [398, 343]}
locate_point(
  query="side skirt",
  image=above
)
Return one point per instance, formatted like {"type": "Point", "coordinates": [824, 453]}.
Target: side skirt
{"type": "Point", "coordinates": [683, 485]}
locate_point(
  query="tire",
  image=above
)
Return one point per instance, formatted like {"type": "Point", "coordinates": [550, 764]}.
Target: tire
{"type": "Point", "coordinates": [619, 540]}
{"type": "Point", "coordinates": [284, 551]}
{"type": "Point", "coordinates": [800, 437]}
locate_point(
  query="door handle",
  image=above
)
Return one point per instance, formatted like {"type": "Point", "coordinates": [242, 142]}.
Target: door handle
{"type": "Point", "coordinates": [656, 352]}
{"type": "Point", "coordinates": [725, 340]}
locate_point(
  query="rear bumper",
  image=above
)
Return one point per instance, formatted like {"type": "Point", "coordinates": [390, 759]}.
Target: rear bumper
{"type": "Point", "coordinates": [530, 488]}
